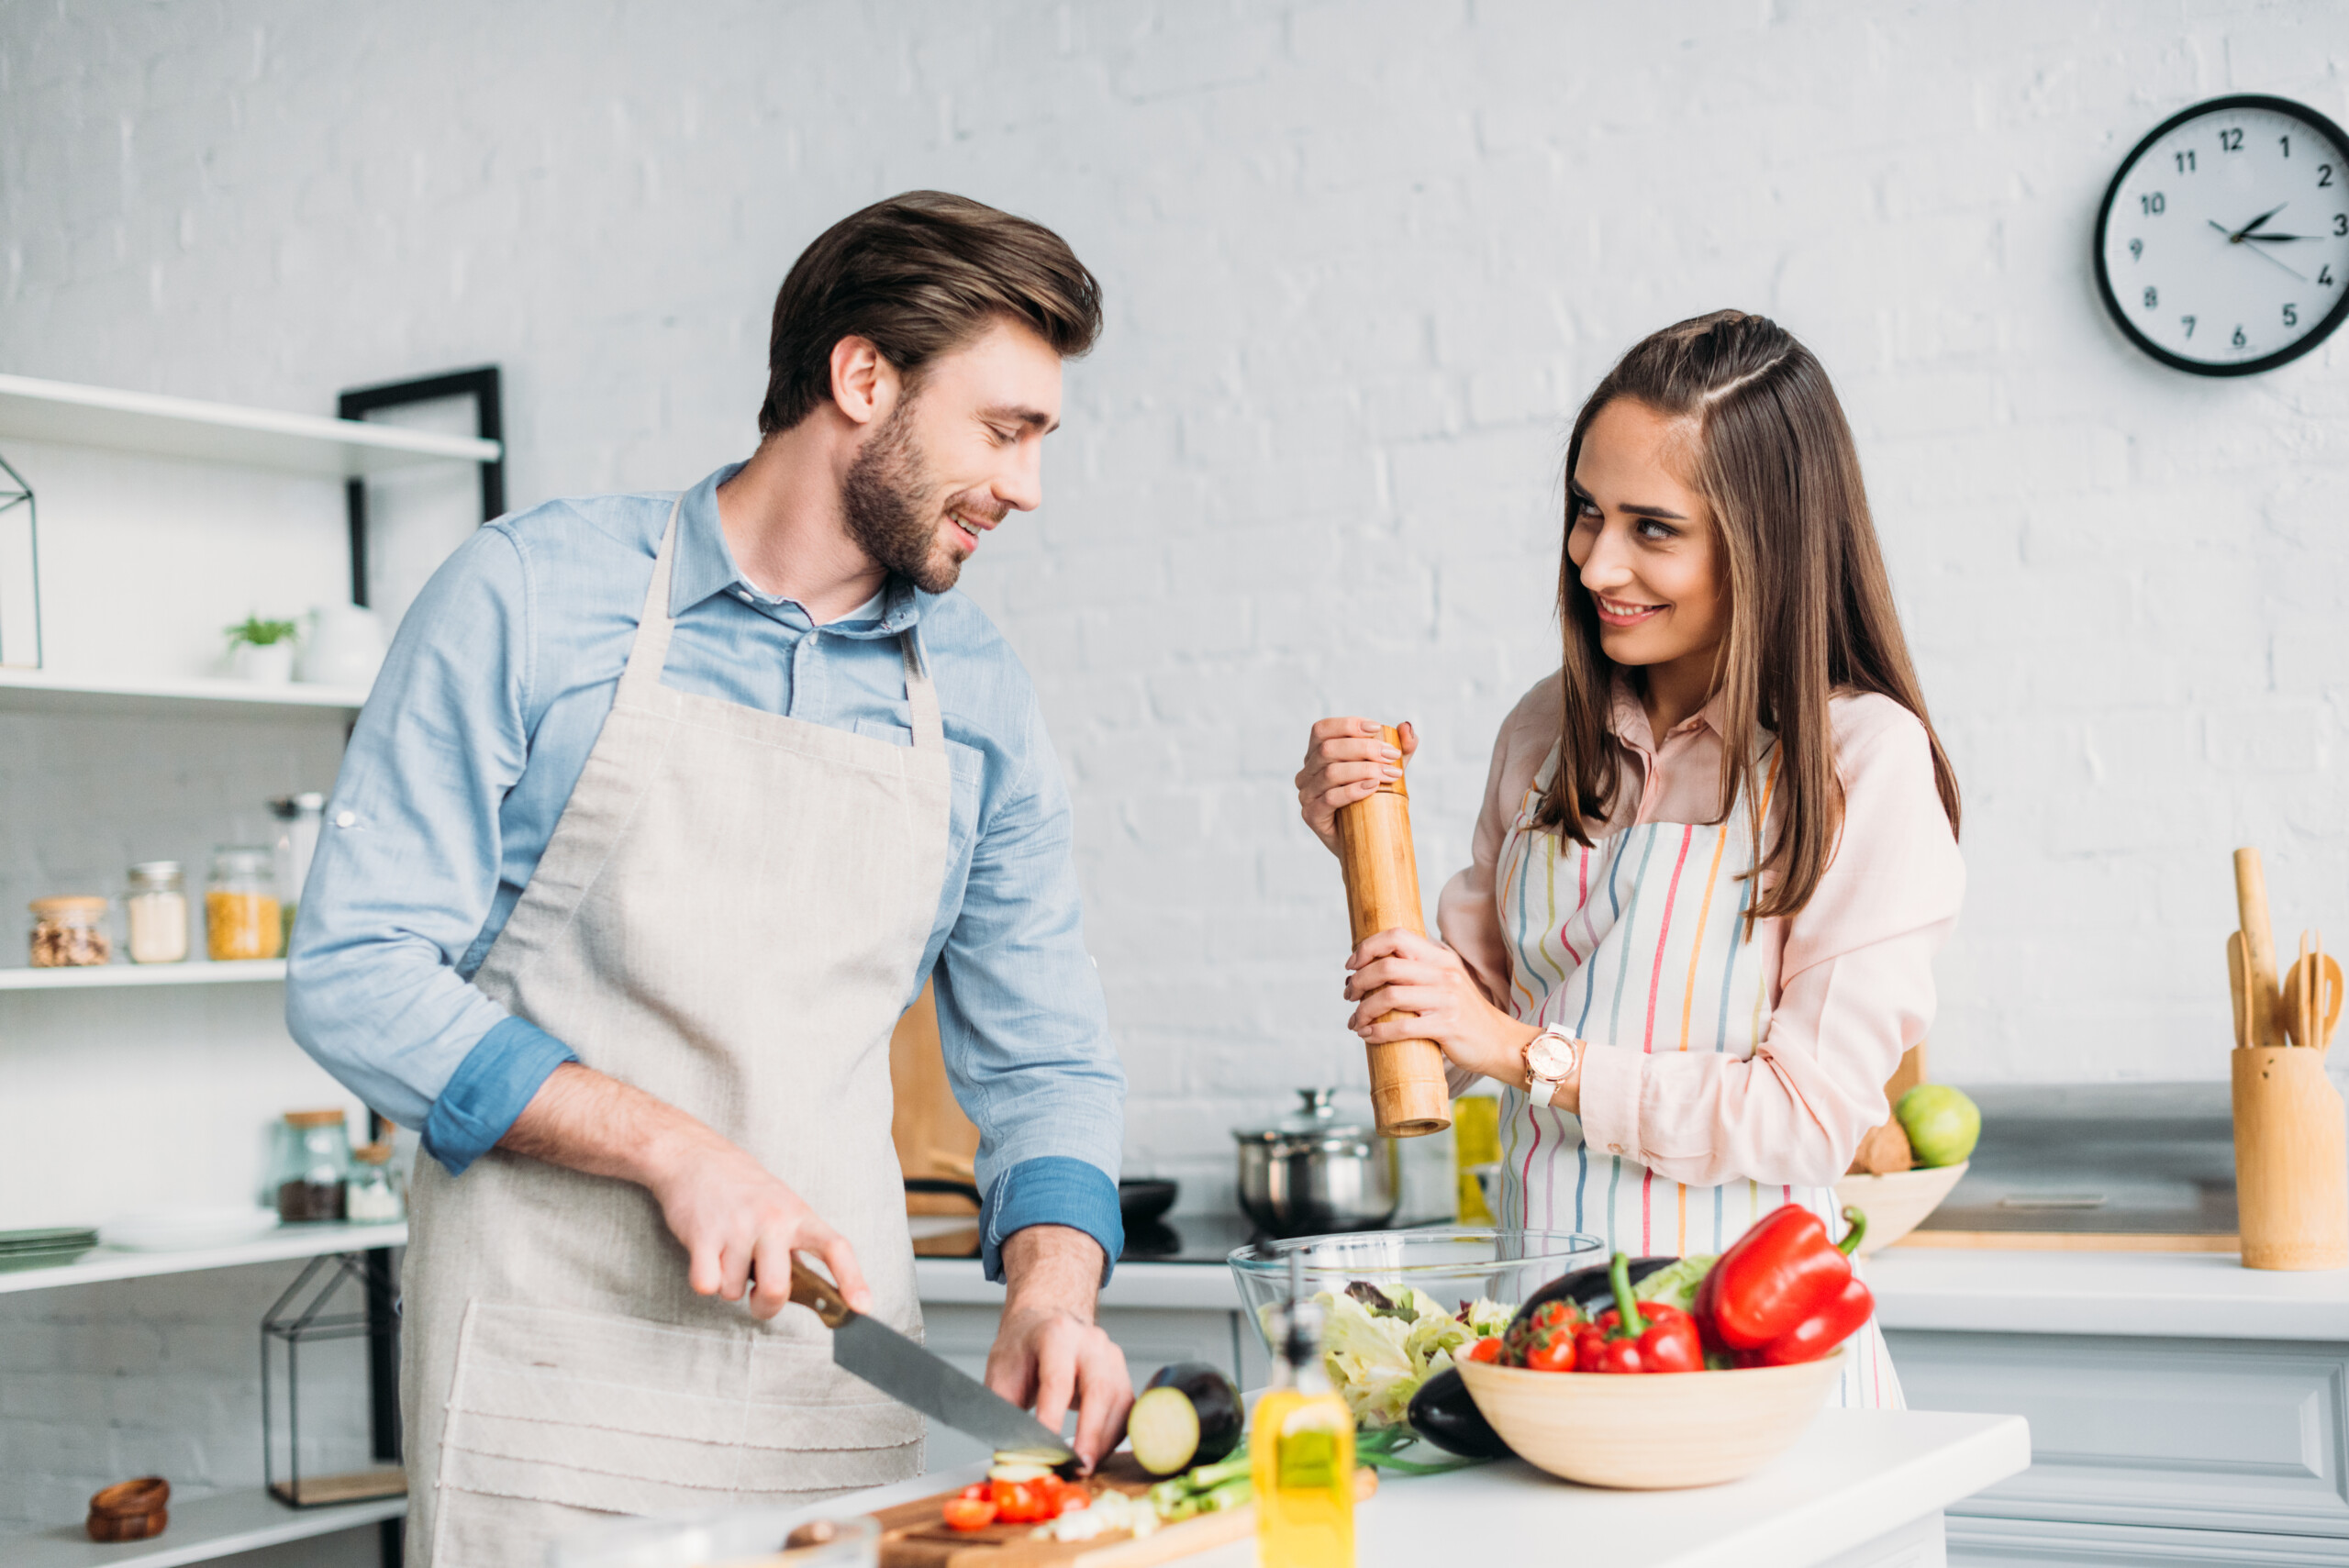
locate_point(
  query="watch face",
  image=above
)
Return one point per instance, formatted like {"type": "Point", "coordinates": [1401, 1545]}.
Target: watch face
{"type": "Point", "coordinates": [1547, 1057]}
{"type": "Point", "coordinates": [2223, 245]}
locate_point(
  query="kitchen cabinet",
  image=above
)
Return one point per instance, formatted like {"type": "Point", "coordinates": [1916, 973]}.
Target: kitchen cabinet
{"type": "Point", "coordinates": [2184, 1409]}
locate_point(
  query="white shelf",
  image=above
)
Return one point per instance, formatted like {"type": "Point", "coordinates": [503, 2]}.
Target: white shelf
{"type": "Point", "coordinates": [218, 432]}
{"type": "Point", "coordinates": [198, 1531]}
{"type": "Point", "coordinates": [291, 1242]}
{"type": "Point", "coordinates": [99, 976]}
{"type": "Point", "coordinates": [46, 690]}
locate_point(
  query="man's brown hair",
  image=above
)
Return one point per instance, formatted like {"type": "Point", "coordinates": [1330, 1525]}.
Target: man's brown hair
{"type": "Point", "coordinates": [919, 275]}
{"type": "Point", "coordinates": [1811, 608]}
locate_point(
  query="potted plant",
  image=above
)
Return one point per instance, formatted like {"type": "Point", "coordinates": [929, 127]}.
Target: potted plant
{"type": "Point", "coordinates": [262, 649]}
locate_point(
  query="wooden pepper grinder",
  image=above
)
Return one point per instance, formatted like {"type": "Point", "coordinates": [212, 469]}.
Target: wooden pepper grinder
{"type": "Point", "coordinates": [1408, 1092]}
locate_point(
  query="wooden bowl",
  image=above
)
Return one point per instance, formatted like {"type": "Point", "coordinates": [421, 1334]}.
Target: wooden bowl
{"type": "Point", "coordinates": [130, 1499]}
{"type": "Point", "coordinates": [127, 1527]}
{"type": "Point", "coordinates": [1649, 1433]}
{"type": "Point", "coordinates": [1897, 1204]}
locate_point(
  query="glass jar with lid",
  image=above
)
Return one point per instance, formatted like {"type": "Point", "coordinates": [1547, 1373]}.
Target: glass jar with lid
{"type": "Point", "coordinates": [240, 918]}
{"type": "Point", "coordinates": [313, 1161]}
{"type": "Point", "coordinates": [373, 1195]}
{"type": "Point", "coordinates": [69, 931]}
{"type": "Point", "coordinates": [299, 817]}
{"type": "Point", "coordinates": [158, 910]}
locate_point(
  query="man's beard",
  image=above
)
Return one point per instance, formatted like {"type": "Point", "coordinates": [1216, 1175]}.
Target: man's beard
{"type": "Point", "coordinates": [891, 506]}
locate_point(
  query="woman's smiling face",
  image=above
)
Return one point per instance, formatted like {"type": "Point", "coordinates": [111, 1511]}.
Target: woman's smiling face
{"type": "Point", "coordinates": [1646, 544]}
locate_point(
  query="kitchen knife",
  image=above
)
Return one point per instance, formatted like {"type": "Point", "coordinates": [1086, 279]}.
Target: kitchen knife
{"type": "Point", "coordinates": [907, 1372]}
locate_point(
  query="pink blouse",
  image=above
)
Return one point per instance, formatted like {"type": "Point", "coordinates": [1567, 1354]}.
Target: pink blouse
{"type": "Point", "coordinates": [1850, 978]}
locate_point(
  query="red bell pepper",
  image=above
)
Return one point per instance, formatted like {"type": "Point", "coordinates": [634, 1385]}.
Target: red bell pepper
{"type": "Point", "coordinates": [1816, 1335]}
{"type": "Point", "coordinates": [1777, 1277]}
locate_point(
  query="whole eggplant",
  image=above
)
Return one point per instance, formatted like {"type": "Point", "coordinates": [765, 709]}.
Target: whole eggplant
{"type": "Point", "coordinates": [1443, 1413]}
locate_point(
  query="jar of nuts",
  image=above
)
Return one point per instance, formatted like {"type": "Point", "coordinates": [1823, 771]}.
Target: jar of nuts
{"type": "Point", "coordinates": [69, 931]}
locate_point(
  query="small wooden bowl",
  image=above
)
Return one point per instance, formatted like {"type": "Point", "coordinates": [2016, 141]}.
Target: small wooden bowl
{"type": "Point", "coordinates": [1651, 1434]}
{"type": "Point", "coordinates": [1899, 1202]}
{"type": "Point", "coordinates": [127, 1527]}
{"type": "Point", "coordinates": [130, 1499]}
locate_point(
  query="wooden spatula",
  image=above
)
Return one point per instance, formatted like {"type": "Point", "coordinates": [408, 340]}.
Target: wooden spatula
{"type": "Point", "coordinates": [2312, 999]}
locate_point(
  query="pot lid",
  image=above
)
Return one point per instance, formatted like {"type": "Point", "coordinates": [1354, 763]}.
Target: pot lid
{"type": "Point", "coordinates": [1315, 1117]}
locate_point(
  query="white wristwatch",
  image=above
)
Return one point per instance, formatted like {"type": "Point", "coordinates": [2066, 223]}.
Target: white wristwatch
{"type": "Point", "coordinates": [1551, 1057]}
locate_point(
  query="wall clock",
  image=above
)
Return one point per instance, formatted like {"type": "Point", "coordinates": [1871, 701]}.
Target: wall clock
{"type": "Point", "coordinates": [2222, 246]}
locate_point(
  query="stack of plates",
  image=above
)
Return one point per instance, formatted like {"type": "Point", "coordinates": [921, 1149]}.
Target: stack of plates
{"type": "Point", "coordinates": [185, 1229]}
{"type": "Point", "coordinates": [43, 1249]}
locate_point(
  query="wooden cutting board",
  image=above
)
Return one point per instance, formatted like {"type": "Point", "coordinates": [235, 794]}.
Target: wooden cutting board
{"type": "Point", "coordinates": [914, 1535]}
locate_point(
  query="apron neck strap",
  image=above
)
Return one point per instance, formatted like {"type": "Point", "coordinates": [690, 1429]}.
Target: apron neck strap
{"type": "Point", "coordinates": [649, 651]}
{"type": "Point", "coordinates": [930, 734]}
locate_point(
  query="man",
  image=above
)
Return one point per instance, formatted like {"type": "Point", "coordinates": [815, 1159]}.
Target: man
{"type": "Point", "coordinates": [661, 811]}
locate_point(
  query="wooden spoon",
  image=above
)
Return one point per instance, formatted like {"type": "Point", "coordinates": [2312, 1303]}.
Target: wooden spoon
{"type": "Point", "coordinates": [2238, 989]}
{"type": "Point", "coordinates": [2321, 974]}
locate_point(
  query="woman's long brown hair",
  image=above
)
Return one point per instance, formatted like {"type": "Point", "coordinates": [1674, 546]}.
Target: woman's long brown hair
{"type": "Point", "coordinates": [1810, 611]}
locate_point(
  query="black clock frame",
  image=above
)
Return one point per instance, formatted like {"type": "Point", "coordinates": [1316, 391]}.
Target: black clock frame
{"type": "Point", "coordinates": [2324, 329]}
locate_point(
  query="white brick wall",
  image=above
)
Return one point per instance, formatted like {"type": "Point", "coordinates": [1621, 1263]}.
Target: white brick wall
{"type": "Point", "coordinates": [1361, 260]}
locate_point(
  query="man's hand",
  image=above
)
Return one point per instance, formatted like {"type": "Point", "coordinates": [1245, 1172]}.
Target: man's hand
{"type": "Point", "coordinates": [1048, 1351]}
{"type": "Point", "coordinates": [738, 1224]}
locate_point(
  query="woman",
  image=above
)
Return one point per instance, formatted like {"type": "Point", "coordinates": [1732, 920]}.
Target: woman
{"type": "Point", "coordinates": [1717, 850]}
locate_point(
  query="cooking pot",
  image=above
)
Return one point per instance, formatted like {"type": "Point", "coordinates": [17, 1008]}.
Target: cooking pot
{"type": "Point", "coordinates": [1310, 1173]}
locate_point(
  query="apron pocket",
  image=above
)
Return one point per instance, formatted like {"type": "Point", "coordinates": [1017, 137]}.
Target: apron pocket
{"type": "Point", "coordinates": [616, 1414]}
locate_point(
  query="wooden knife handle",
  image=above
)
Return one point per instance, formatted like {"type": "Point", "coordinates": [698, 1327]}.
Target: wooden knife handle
{"type": "Point", "coordinates": [818, 1295]}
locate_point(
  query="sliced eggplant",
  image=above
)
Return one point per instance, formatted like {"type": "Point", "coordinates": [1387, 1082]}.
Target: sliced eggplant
{"type": "Point", "coordinates": [1188, 1413]}
{"type": "Point", "coordinates": [1442, 1412]}
{"type": "Point", "coordinates": [1031, 1464]}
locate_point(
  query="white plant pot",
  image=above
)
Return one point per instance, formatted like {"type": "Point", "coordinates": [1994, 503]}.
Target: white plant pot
{"type": "Point", "coordinates": [345, 647]}
{"type": "Point", "coordinates": [266, 663]}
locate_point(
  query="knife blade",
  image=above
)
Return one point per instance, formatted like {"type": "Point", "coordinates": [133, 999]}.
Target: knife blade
{"type": "Point", "coordinates": [907, 1372]}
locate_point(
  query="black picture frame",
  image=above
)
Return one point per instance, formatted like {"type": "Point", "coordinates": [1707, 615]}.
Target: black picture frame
{"type": "Point", "coordinates": [2323, 329]}
{"type": "Point", "coordinates": [481, 384]}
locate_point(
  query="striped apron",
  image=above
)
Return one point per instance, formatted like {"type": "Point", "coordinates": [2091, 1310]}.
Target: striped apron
{"type": "Point", "coordinates": [1639, 939]}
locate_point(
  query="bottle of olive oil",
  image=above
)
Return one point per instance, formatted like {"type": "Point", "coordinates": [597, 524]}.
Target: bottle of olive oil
{"type": "Point", "coordinates": [1301, 1450]}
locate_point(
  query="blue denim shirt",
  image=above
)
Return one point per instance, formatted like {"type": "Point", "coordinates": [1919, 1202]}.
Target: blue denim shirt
{"type": "Point", "coordinates": [480, 724]}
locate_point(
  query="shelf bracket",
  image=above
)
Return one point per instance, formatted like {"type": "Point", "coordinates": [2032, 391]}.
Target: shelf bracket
{"type": "Point", "coordinates": [481, 384]}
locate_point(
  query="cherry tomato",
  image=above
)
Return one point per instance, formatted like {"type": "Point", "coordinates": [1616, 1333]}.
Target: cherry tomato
{"type": "Point", "coordinates": [1071, 1495]}
{"type": "Point", "coordinates": [1553, 1352]}
{"type": "Point", "coordinates": [1486, 1350]}
{"type": "Point", "coordinates": [969, 1513]}
{"type": "Point", "coordinates": [977, 1491]}
{"type": "Point", "coordinates": [1019, 1502]}
{"type": "Point", "coordinates": [1618, 1355]}
{"type": "Point", "coordinates": [1555, 1314]}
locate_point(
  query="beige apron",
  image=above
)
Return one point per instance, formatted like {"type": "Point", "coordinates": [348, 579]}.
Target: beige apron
{"type": "Point", "coordinates": [729, 917]}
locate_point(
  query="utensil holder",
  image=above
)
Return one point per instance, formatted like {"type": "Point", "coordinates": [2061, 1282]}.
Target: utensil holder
{"type": "Point", "coordinates": [1407, 1092]}
{"type": "Point", "coordinates": [2291, 1160]}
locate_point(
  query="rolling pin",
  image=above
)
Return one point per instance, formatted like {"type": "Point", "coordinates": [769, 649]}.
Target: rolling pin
{"type": "Point", "coordinates": [1408, 1092]}
{"type": "Point", "coordinates": [2258, 950]}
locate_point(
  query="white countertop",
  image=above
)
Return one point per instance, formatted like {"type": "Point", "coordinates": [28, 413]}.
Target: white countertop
{"type": "Point", "coordinates": [1856, 1475]}
{"type": "Point", "coordinates": [2207, 1295]}
{"type": "Point", "coordinates": [2201, 1295]}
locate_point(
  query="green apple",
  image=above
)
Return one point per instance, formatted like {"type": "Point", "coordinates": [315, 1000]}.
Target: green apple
{"type": "Point", "coordinates": [1943, 1125]}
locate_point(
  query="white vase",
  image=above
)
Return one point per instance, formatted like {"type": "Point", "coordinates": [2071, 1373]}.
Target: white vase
{"type": "Point", "coordinates": [345, 647]}
{"type": "Point", "coordinates": [270, 663]}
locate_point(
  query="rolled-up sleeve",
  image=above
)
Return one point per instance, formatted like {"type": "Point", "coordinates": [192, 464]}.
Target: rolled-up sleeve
{"type": "Point", "coordinates": [1855, 990]}
{"type": "Point", "coordinates": [1022, 1025]}
{"type": "Point", "coordinates": [407, 869]}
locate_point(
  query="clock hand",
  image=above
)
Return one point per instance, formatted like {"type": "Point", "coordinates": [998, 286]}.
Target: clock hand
{"type": "Point", "coordinates": [2264, 239]}
{"type": "Point", "coordinates": [2237, 237]}
{"type": "Point", "coordinates": [2269, 257]}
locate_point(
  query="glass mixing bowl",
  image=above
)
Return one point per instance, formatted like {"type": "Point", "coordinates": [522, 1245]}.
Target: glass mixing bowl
{"type": "Point", "coordinates": [1454, 1263]}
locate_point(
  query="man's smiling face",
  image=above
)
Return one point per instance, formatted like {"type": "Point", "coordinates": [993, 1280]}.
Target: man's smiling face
{"type": "Point", "coordinates": [961, 450]}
